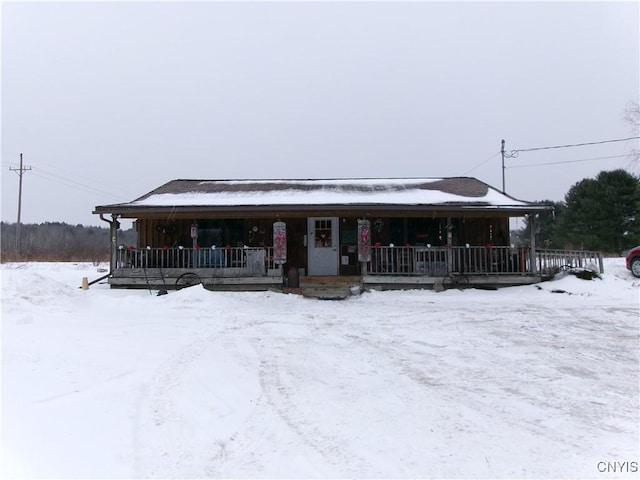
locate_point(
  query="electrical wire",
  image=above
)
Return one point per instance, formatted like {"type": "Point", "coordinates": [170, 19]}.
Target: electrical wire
{"type": "Point", "coordinates": [72, 183]}
{"type": "Point", "coordinates": [39, 167]}
{"type": "Point", "coordinates": [482, 163]}
{"type": "Point", "coordinates": [515, 152]}
{"type": "Point", "coordinates": [567, 161]}
{"type": "Point", "coordinates": [114, 192]}
{"type": "Point", "coordinates": [69, 182]}
{"type": "Point", "coordinates": [45, 174]}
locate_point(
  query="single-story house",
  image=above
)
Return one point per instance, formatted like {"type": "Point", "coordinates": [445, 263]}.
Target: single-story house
{"type": "Point", "coordinates": [287, 234]}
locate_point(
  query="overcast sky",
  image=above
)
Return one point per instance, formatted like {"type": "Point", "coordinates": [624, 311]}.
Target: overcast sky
{"type": "Point", "coordinates": [109, 100]}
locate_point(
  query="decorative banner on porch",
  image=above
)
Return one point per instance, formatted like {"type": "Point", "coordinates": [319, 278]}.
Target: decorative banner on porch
{"type": "Point", "coordinates": [364, 241]}
{"type": "Point", "coordinates": [279, 242]}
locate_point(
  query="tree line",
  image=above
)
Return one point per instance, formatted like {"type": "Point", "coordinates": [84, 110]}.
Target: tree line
{"type": "Point", "coordinates": [59, 242]}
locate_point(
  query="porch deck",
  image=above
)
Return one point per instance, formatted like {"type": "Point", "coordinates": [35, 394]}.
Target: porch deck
{"type": "Point", "coordinates": [390, 267]}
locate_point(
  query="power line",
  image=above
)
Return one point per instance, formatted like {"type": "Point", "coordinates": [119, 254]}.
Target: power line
{"type": "Point", "coordinates": [72, 183]}
{"type": "Point", "coordinates": [76, 181]}
{"type": "Point", "coordinates": [514, 153]}
{"type": "Point", "coordinates": [568, 161]}
{"type": "Point", "coordinates": [79, 177]}
{"type": "Point", "coordinates": [482, 163]}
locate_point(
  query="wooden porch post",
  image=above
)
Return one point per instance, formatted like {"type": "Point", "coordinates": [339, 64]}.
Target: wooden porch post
{"type": "Point", "coordinates": [113, 235]}
{"type": "Point", "coordinates": [533, 223]}
{"type": "Point", "coordinates": [364, 244]}
{"type": "Point", "coordinates": [450, 243]}
{"type": "Point", "coordinates": [113, 227]}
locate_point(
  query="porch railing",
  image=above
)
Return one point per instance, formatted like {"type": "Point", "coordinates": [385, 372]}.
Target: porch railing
{"type": "Point", "coordinates": [385, 260]}
{"type": "Point", "coordinates": [437, 261]}
{"type": "Point", "coordinates": [552, 261]}
{"type": "Point", "coordinates": [471, 260]}
{"type": "Point", "coordinates": [255, 260]}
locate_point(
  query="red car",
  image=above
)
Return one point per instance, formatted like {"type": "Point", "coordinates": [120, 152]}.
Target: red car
{"type": "Point", "coordinates": [633, 261]}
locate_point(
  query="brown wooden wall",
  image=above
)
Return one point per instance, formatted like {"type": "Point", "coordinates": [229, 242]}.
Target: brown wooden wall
{"type": "Point", "coordinates": [259, 232]}
{"type": "Point", "coordinates": [475, 231]}
{"type": "Point", "coordinates": [481, 231]}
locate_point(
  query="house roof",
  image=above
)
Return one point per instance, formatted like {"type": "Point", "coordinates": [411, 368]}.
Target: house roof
{"type": "Point", "coordinates": [454, 193]}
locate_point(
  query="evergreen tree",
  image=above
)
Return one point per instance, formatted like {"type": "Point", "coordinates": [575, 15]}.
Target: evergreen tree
{"type": "Point", "coordinates": [603, 213]}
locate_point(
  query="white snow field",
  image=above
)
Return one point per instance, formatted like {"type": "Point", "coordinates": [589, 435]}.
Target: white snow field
{"type": "Point", "coordinates": [522, 382]}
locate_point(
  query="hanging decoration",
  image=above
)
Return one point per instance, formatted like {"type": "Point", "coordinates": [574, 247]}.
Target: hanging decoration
{"type": "Point", "coordinates": [166, 228]}
{"type": "Point", "coordinates": [364, 241]}
{"type": "Point", "coordinates": [279, 242]}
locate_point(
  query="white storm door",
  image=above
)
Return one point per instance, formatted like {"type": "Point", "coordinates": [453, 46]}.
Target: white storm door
{"type": "Point", "coordinates": [322, 241]}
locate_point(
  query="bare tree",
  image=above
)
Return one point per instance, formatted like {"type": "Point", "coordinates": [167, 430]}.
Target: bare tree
{"type": "Point", "coordinates": [632, 116]}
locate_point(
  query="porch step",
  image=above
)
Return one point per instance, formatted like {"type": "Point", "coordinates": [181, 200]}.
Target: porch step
{"type": "Point", "coordinates": [330, 280]}
{"type": "Point", "coordinates": [330, 287]}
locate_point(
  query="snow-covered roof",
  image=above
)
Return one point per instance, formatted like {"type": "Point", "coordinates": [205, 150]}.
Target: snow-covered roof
{"type": "Point", "coordinates": [454, 192]}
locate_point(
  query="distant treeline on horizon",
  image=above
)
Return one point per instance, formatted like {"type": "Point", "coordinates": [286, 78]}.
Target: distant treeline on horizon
{"type": "Point", "coordinates": [58, 242]}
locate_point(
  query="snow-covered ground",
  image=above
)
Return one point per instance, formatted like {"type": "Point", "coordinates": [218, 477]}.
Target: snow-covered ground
{"type": "Point", "coordinates": [524, 382]}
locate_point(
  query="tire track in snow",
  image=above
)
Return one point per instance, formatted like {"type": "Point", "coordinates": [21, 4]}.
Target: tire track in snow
{"type": "Point", "coordinates": [247, 451]}
{"type": "Point", "coordinates": [240, 450]}
{"type": "Point", "coordinates": [157, 417]}
{"type": "Point", "coordinates": [281, 398]}
{"type": "Point", "coordinates": [183, 405]}
{"type": "Point", "coordinates": [260, 446]}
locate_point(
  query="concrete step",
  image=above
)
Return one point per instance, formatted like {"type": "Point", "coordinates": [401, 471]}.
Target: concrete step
{"type": "Point", "coordinates": [331, 280]}
{"type": "Point", "coordinates": [330, 287]}
{"type": "Point", "coordinates": [326, 293]}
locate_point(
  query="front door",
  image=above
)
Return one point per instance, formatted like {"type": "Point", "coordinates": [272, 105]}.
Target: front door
{"type": "Point", "coordinates": [323, 245]}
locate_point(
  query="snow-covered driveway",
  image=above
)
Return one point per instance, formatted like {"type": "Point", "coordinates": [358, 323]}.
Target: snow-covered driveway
{"type": "Point", "coordinates": [520, 382]}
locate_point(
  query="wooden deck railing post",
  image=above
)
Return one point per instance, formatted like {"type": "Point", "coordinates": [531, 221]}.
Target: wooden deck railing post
{"type": "Point", "coordinates": [600, 262]}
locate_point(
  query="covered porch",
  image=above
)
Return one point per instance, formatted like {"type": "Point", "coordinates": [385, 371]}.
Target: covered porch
{"type": "Point", "coordinates": [366, 233]}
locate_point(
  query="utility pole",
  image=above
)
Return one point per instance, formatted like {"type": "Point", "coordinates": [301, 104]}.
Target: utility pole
{"type": "Point", "coordinates": [20, 171]}
{"type": "Point", "coordinates": [502, 151]}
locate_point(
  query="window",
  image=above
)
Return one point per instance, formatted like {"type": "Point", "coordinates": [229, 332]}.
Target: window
{"type": "Point", "coordinates": [221, 233]}
{"type": "Point", "coordinates": [323, 233]}
{"type": "Point", "coordinates": [418, 231]}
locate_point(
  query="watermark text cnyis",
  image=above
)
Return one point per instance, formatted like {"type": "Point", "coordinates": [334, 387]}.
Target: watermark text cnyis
{"type": "Point", "coordinates": [617, 467]}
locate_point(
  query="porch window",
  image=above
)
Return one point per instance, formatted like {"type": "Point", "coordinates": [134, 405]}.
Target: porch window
{"type": "Point", "coordinates": [221, 233]}
{"type": "Point", "coordinates": [418, 231]}
{"type": "Point", "coordinates": [323, 233]}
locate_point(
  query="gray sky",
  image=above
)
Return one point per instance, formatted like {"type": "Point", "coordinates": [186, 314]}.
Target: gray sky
{"type": "Point", "coordinates": [109, 100]}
